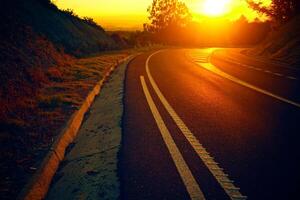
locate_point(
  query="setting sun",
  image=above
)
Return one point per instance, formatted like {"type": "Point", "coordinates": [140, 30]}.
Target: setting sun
{"type": "Point", "coordinates": [113, 16]}
{"type": "Point", "coordinates": [215, 7]}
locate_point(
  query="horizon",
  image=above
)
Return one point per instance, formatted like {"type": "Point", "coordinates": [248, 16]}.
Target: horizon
{"type": "Point", "coordinates": [112, 16]}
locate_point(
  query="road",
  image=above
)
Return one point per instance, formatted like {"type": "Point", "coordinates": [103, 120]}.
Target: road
{"type": "Point", "coordinates": [197, 130]}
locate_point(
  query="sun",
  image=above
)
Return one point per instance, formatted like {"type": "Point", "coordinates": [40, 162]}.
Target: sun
{"type": "Point", "coordinates": [215, 7]}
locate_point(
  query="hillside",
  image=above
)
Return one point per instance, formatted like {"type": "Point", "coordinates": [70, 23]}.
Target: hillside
{"type": "Point", "coordinates": [41, 81]}
{"type": "Point", "coordinates": [63, 28]}
{"type": "Point", "coordinates": [281, 45]}
{"type": "Point", "coordinates": [36, 37]}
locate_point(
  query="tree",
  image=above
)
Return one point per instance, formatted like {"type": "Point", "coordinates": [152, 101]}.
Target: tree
{"type": "Point", "coordinates": [167, 14]}
{"type": "Point", "coordinates": [280, 11]}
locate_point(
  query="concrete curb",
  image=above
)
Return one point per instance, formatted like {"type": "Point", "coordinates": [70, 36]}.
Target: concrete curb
{"type": "Point", "coordinates": [38, 186]}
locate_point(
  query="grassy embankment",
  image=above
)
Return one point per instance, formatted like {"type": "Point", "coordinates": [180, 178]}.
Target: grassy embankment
{"type": "Point", "coordinates": [281, 45]}
{"type": "Point", "coordinates": [42, 81]}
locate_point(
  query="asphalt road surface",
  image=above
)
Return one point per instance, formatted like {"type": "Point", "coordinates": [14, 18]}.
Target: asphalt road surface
{"type": "Point", "coordinates": [197, 130]}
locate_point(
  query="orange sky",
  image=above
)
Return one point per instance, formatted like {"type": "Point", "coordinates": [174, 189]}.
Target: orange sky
{"type": "Point", "coordinates": [131, 14]}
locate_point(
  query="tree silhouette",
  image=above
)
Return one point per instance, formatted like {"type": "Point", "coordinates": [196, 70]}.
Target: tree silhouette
{"type": "Point", "coordinates": [280, 11]}
{"type": "Point", "coordinates": [167, 14]}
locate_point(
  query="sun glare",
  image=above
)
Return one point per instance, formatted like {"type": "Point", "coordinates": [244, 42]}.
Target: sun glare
{"type": "Point", "coordinates": [215, 7]}
{"type": "Point", "coordinates": [112, 14]}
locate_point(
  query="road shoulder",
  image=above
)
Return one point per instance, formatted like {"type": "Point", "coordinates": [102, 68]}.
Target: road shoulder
{"type": "Point", "coordinates": [89, 170]}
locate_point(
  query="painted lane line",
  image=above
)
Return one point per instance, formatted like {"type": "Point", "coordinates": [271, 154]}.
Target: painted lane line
{"type": "Point", "coordinates": [182, 167]}
{"type": "Point", "coordinates": [278, 74]}
{"type": "Point", "coordinates": [214, 69]}
{"type": "Point", "coordinates": [222, 178]}
{"type": "Point", "coordinates": [266, 71]}
{"type": "Point", "coordinates": [282, 65]}
{"type": "Point", "coordinates": [291, 77]}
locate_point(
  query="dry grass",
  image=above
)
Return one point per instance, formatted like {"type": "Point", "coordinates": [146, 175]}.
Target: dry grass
{"type": "Point", "coordinates": [76, 81]}
{"type": "Point", "coordinates": [27, 135]}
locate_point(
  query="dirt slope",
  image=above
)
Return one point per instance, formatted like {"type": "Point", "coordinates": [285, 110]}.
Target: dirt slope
{"type": "Point", "coordinates": [282, 44]}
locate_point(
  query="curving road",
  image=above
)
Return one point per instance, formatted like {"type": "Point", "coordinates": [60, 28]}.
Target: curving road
{"type": "Point", "coordinates": [199, 127]}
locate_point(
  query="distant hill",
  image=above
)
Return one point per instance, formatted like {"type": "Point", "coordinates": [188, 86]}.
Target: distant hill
{"type": "Point", "coordinates": [282, 44]}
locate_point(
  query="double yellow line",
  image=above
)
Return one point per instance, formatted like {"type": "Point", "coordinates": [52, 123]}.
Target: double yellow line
{"type": "Point", "coordinates": [182, 167]}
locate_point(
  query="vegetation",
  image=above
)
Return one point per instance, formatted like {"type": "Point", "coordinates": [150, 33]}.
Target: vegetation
{"type": "Point", "coordinates": [282, 44]}
{"type": "Point", "coordinates": [166, 15]}
{"type": "Point", "coordinates": [90, 21]}
{"type": "Point", "coordinates": [280, 11]}
{"type": "Point", "coordinates": [171, 23]}
{"type": "Point", "coordinates": [40, 87]}
{"type": "Point", "coordinates": [64, 29]}
{"type": "Point", "coordinates": [41, 83]}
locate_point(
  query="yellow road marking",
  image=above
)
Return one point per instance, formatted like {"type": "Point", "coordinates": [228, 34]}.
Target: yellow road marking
{"type": "Point", "coordinates": [291, 77]}
{"type": "Point", "coordinates": [219, 72]}
{"type": "Point", "coordinates": [222, 178]}
{"type": "Point", "coordinates": [183, 169]}
{"type": "Point", "coordinates": [266, 71]}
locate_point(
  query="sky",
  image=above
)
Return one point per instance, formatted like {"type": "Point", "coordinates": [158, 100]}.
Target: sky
{"type": "Point", "coordinates": [131, 14]}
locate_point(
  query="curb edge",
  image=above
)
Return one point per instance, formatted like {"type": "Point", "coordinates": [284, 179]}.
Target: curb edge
{"type": "Point", "coordinates": [38, 185]}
